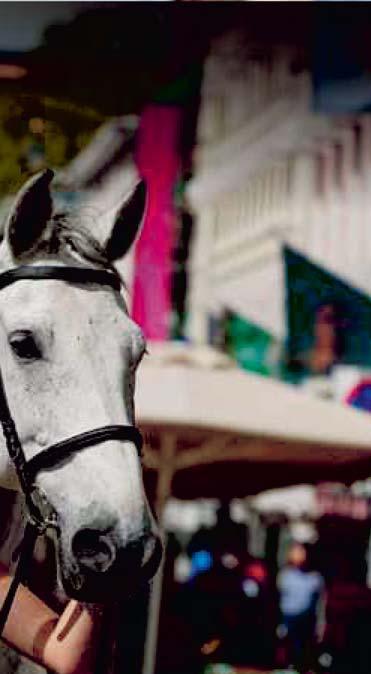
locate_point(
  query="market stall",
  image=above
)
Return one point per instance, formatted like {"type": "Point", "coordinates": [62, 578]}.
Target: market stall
{"type": "Point", "coordinates": [215, 431]}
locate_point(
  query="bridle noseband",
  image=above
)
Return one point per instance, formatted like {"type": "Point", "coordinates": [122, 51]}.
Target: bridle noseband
{"type": "Point", "coordinates": [40, 514]}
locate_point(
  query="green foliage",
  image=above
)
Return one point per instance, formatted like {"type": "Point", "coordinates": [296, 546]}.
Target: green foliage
{"type": "Point", "coordinates": [66, 129]}
{"type": "Point", "coordinates": [11, 149]}
{"type": "Point", "coordinates": [56, 145]}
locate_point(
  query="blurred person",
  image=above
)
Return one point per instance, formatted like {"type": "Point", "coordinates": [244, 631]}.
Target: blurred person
{"type": "Point", "coordinates": [300, 590]}
{"type": "Point", "coordinates": [216, 606]}
{"type": "Point", "coordinates": [215, 596]}
{"type": "Point", "coordinates": [227, 539]}
{"type": "Point", "coordinates": [346, 640]}
{"type": "Point", "coordinates": [260, 612]}
{"type": "Point", "coordinates": [64, 644]}
{"type": "Point", "coordinates": [328, 342]}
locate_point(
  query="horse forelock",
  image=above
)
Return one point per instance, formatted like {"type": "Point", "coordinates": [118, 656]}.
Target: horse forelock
{"type": "Point", "coordinates": [71, 236]}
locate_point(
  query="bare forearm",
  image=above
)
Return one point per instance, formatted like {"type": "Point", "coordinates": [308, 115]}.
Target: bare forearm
{"type": "Point", "coordinates": [65, 644]}
{"type": "Point", "coordinates": [72, 644]}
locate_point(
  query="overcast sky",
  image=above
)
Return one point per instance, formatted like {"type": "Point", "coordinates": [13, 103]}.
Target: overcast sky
{"type": "Point", "coordinates": [22, 23]}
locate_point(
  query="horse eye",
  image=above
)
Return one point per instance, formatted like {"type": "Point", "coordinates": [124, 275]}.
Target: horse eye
{"type": "Point", "coordinates": [23, 345]}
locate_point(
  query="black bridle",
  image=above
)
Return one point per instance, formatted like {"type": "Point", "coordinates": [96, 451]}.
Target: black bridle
{"type": "Point", "coordinates": [40, 514]}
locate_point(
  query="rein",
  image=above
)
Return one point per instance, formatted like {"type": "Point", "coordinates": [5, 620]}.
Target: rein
{"type": "Point", "coordinates": [40, 513]}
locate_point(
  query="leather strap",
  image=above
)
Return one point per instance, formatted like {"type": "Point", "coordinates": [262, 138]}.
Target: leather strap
{"type": "Point", "coordinates": [13, 443]}
{"type": "Point", "coordinates": [52, 272]}
{"type": "Point", "coordinates": [51, 456]}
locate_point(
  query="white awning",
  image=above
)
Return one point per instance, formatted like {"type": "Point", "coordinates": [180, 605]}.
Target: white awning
{"type": "Point", "coordinates": [275, 419]}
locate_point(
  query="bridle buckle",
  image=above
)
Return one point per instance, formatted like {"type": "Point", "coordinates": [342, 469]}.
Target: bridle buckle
{"type": "Point", "coordinates": [41, 513]}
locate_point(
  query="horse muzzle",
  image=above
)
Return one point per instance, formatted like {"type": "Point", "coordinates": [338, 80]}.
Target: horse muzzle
{"type": "Point", "coordinates": [100, 571]}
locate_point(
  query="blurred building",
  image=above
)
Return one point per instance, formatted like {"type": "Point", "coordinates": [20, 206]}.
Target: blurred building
{"type": "Point", "coordinates": [268, 171]}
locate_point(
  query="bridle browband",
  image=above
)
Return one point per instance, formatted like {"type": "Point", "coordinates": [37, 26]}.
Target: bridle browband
{"type": "Point", "coordinates": [81, 275]}
{"type": "Point", "coordinates": [40, 514]}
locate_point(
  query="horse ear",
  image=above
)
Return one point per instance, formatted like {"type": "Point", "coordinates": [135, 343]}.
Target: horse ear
{"type": "Point", "coordinates": [127, 223]}
{"type": "Point", "coordinates": [30, 214]}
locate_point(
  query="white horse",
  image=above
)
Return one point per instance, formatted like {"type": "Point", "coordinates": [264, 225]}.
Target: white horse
{"type": "Point", "coordinates": [68, 355]}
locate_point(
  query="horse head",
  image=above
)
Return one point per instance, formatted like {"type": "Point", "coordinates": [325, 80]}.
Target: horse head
{"type": "Point", "coordinates": [68, 356]}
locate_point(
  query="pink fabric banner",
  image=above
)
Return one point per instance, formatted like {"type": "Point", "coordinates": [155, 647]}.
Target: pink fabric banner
{"type": "Point", "coordinates": [158, 162]}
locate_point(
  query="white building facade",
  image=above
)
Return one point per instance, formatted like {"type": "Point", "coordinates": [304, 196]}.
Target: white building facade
{"type": "Point", "coordinates": [268, 171]}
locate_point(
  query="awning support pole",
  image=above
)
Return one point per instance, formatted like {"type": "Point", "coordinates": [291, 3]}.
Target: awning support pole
{"type": "Point", "coordinates": [163, 492]}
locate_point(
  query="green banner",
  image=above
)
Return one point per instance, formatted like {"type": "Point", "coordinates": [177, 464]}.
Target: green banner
{"type": "Point", "coordinates": [251, 346]}
{"type": "Point", "coordinates": [314, 297]}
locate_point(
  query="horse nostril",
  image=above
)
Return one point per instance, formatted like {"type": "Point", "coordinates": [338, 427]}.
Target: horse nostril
{"type": "Point", "coordinates": [93, 550]}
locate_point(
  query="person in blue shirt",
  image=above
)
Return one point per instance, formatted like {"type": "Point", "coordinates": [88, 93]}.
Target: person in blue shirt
{"type": "Point", "coordinates": [300, 590]}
